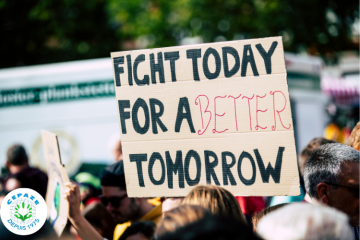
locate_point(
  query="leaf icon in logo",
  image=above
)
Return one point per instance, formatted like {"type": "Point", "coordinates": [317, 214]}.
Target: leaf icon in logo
{"type": "Point", "coordinates": [23, 212]}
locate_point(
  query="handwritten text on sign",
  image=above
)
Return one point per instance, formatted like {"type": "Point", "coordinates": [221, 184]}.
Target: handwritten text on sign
{"type": "Point", "coordinates": [213, 113]}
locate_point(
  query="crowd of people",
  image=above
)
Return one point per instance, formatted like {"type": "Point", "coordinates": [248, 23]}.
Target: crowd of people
{"type": "Point", "coordinates": [99, 207]}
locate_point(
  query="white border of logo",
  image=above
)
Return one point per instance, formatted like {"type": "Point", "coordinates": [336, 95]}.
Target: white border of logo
{"type": "Point", "coordinates": [33, 202]}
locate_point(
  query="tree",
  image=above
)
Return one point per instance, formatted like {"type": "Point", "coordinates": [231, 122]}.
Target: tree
{"type": "Point", "coordinates": [45, 31]}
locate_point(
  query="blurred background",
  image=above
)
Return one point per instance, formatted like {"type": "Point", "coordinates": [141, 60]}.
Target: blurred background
{"type": "Point", "coordinates": [56, 72]}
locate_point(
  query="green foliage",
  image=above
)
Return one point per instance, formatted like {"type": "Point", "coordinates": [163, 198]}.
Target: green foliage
{"type": "Point", "coordinates": [43, 31]}
{"type": "Point", "coordinates": [27, 211]}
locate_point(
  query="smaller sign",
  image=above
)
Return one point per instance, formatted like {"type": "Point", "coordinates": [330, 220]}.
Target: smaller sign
{"type": "Point", "coordinates": [57, 206]}
{"type": "Point", "coordinates": [23, 211]}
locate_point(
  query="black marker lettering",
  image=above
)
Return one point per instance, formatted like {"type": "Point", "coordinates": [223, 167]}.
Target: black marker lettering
{"type": "Point", "coordinates": [194, 54]}
{"type": "Point", "coordinates": [232, 51]}
{"type": "Point", "coordinates": [157, 67]}
{"type": "Point", "coordinates": [209, 167]}
{"type": "Point", "coordinates": [265, 173]}
{"type": "Point", "coordinates": [172, 57]}
{"type": "Point", "coordinates": [248, 59]}
{"type": "Point", "coordinates": [175, 168]}
{"type": "Point", "coordinates": [207, 72]}
{"type": "Point", "coordinates": [267, 55]}
{"type": "Point", "coordinates": [145, 80]}
{"type": "Point", "coordinates": [138, 158]}
{"type": "Point", "coordinates": [181, 115]}
{"type": "Point", "coordinates": [123, 115]}
{"type": "Point", "coordinates": [155, 117]}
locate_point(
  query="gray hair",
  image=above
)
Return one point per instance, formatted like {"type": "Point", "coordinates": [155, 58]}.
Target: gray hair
{"type": "Point", "coordinates": [305, 221]}
{"type": "Point", "coordinates": [324, 163]}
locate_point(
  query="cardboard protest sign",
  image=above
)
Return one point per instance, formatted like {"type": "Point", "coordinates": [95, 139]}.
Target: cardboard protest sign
{"type": "Point", "coordinates": [215, 113]}
{"type": "Point", "coordinates": [57, 206]}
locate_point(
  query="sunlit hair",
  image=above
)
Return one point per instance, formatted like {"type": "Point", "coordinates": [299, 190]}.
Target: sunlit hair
{"type": "Point", "coordinates": [217, 200]}
{"type": "Point", "coordinates": [305, 221]}
{"type": "Point", "coordinates": [354, 139]}
{"type": "Point", "coordinates": [256, 219]}
{"type": "Point", "coordinates": [179, 217]}
{"type": "Point", "coordinates": [324, 163]}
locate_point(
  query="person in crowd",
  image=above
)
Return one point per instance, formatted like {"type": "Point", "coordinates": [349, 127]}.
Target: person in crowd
{"type": "Point", "coordinates": [141, 230]}
{"type": "Point", "coordinates": [21, 174]}
{"type": "Point", "coordinates": [354, 139]}
{"type": "Point", "coordinates": [217, 200]}
{"type": "Point", "coordinates": [118, 151]}
{"type": "Point", "coordinates": [302, 159]}
{"type": "Point", "coordinates": [124, 210]}
{"type": "Point", "coordinates": [98, 216]}
{"type": "Point", "coordinates": [332, 178]}
{"type": "Point", "coordinates": [89, 188]}
{"type": "Point", "coordinates": [305, 221]}
{"type": "Point", "coordinates": [306, 152]}
{"type": "Point", "coordinates": [212, 228]}
{"type": "Point", "coordinates": [179, 217]}
{"type": "Point", "coordinates": [170, 203]}
{"type": "Point", "coordinates": [264, 212]}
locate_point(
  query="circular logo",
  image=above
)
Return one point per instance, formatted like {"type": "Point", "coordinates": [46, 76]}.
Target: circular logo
{"type": "Point", "coordinates": [23, 211]}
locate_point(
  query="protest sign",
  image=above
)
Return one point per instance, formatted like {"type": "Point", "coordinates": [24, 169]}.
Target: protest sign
{"type": "Point", "coordinates": [216, 113]}
{"type": "Point", "coordinates": [57, 205]}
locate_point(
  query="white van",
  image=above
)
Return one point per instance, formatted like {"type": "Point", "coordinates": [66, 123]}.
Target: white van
{"type": "Point", "coordinates": [76, 100]}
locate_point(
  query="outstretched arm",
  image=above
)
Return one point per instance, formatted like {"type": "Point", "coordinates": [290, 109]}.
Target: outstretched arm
{"type": "Point", "coordinates": [83, 227]}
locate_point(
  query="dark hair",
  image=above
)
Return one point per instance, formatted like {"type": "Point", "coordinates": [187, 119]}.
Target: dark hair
{"type": "Point", "coordinates": [257, 217]}
{"type": "Point", "coordinates": [324, 163]}
{"type": "Point", "coordinates": [16, 155]}
{"type": "Point", "coordinates": [212, 228]}
{"type": "Point", "coordinates": [306, 152]}
{"type": "Point", "coordinates": [145, 228]}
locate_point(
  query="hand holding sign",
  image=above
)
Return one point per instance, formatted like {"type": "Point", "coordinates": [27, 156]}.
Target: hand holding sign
{"type": "Point", "coordinates": [214, 113]}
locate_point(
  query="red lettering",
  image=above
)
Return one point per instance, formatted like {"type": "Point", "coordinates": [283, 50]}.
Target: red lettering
{"type": "Point", "coordinates": [249, 107]}
{"type": "Point", "coordinates": [274, 126]}
{"type": "Point", "coordinates": [214, 130]}
{"type": "Point", "coordinates": [257, 110]}
{"type": "Point", "coordinates": [235, 109]}
{"type": "Point", "coordinates": [206, 111]}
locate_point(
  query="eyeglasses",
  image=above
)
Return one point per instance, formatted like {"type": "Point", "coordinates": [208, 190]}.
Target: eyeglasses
{"type": "Point", "coordinates": [114, 201]}
{"type": "Point", "coordinates": [355, 190]}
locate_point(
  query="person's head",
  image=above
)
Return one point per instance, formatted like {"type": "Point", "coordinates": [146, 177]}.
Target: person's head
{"type": "Point", "coordinates": [16, 156]}
{"type": "Point", "coordinates": [115, 196]}
{"type": "Point", "coordinates": [256, 219]}
{"type": "Point", "coordinates": [118, 151]}
{"type": "Point", "coordinates": [212, 228]}
{"type": "Point", "coordinates": [171, 203]}
{"type": "Point", "coordinates": [354, 139]}
{"type": "Point", "coordinates": [97, 215]}
{"type": "Point", "coordinates": [305, 221]}
{"type": "Point", "coordinates": [332, 177]}
{"type": "Point", "coordinates": [312, 145]}
{"type": "Point", "coordinates": [141, 230]}
{"type": "Point", "coordinates": [179, 217]}
{"type": "Point", "coordinates": [217, 200]}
